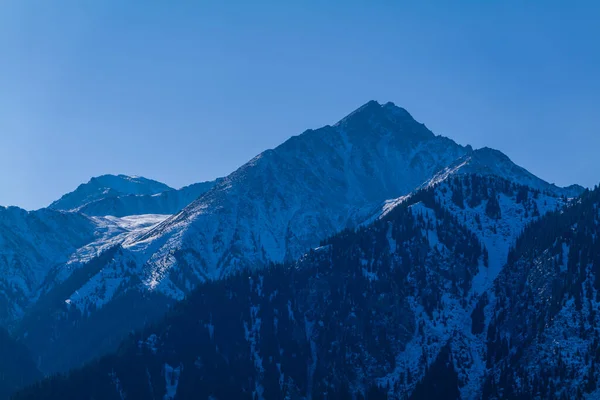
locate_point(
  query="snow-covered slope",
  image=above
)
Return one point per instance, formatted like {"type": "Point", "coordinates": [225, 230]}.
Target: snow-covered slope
{"type": "Point", "coordinates": [40, 248]}
{"type": "Point", "coordinates": [111, 232]}
{"type": "Point", "coordinates": [495, 200]}
{"type": "Point", "coordinates": [496, 211]}
{"type": "Point", "coordinates": [167, 202]}
{"type": "Point", "coordinates": [107, 186]}
{"type": "Point", "coordinates": [542, 331]}
{"type": "Point", "coordinates": [285, 200]}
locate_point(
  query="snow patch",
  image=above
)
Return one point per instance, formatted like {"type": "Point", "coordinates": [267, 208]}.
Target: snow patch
{"type": "Point", "coordinates": [172, 376]}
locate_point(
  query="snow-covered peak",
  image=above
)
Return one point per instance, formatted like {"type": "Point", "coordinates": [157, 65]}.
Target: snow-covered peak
{"type": "Point", "coordinates": [491, 162]}
{"type": "Point", "coordinates": [392, 118]}
{"type": "Point", "coordinates": [108, 186]}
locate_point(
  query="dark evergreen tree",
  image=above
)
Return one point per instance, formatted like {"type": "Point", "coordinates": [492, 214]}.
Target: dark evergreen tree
{"type": "Point", "coordinates": [17, 369]}
{"type": "Point", "coordinates": [441, 380]}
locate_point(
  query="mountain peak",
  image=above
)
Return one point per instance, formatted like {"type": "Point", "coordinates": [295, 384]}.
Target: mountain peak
{"type": "Point", "coordinates": [489, 153]}
{"type": "Point", "coordinates": [373, 116]}
{"type": "Point", "coordinates": [396, 111]}
{"type": "Point", "coordinates": [373, 108]}
{"type": "Point", "coordinates": [491, 162]}
{"type": "Point", "coordinates": [106, 186]}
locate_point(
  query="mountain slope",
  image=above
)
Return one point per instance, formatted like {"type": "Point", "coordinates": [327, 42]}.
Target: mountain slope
{"type": "Point", "coordinates": [373, 311]}
{"type": "Point", "coordinates": [107, 186]}
{"type": "Point", "coordinates": [331, 323]}
{"type": "Point", "coordinates": [496, 211]}
{"type": "Point", "coordinates": [542, 333]}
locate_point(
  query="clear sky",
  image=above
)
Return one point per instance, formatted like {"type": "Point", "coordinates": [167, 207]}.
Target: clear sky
{"type": "Point", "coordinates": [188, 91]}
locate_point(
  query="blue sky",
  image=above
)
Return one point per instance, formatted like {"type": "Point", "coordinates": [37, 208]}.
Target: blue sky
{"type": "Point", "coordinates": [188, 91]}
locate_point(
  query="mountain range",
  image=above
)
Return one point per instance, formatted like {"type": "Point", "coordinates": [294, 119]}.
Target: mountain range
{"type": "Point", "coordinates": [369, 257]}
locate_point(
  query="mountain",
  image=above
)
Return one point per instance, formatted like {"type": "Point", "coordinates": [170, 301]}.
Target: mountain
{"type": "Point", "coordinates": [388, 310]}
{"type": "Point", "coordinates": [275, 208]}
{"type": "Point", "coordinates": [284, 200]}
{"type": "Point", "coordinates": [328, 324]}
{"type": "Point", "coordinates": [105, 187]}
{"type": "Point", "coordinates": [167, 202]}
